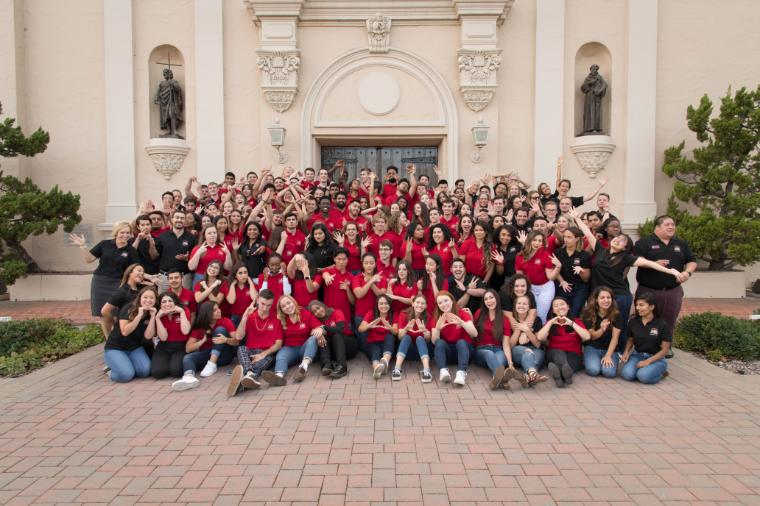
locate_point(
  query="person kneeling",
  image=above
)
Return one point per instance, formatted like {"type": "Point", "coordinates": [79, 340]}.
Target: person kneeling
{"type": "Point", "coordinates": [563, 354]}
{"type": "Point", "coordinates": [647, 345]}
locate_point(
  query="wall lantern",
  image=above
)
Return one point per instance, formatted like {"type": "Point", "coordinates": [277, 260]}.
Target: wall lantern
{"type": "Point", "coordinates": [277, 140]}
{"type": "Point", "coordinates": [480, 138]}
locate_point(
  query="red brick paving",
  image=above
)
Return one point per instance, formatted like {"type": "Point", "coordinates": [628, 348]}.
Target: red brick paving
{"type": "Point", "coordinates": [68, 435]}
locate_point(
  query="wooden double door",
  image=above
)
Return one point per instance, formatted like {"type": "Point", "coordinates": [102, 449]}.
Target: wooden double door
{"type": "Point", "coordinates": [378, 158]}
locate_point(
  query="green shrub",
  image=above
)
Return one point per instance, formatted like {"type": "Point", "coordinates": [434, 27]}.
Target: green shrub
{"type": "Point", "coordinates": [718, 336]}
{"type": "Point", "coordinates": [29, 344]}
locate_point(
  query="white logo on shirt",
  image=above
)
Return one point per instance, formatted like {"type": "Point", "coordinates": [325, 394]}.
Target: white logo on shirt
{"type": "Point", "coordinates": [184, 243]}
{"type": "Point", "coordinates": [655, 246]}
{"type": "Point", "coordinates": [270, 327]}
{"type": "Point", "coordinates": [577, 261]}
{"type": "Point", "coordinates": [302, 326]}
{"type": "Point", "coordinates": [654, 332]}
{"type": "Point", "coordinates": [677, 248]}
{"type": "Point", "coordinates": [538, 261]}
{"type": "Point", "coordinates": [124, 254]}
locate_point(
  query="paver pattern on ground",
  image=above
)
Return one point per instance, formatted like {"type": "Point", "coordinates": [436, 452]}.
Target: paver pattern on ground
{"type": "Point", "coordinates": [68, 435]}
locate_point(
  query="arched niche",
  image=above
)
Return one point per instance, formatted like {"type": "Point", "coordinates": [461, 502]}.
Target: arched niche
{"type": "Point", "coordinates": [162, 57]}
{"type": "Point", "coordinates": [589, 54]}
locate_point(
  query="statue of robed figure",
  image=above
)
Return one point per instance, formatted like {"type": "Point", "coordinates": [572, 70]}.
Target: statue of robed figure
{"type": "Point", "coordinates": [594, 87]}
{"type": "Point", "coordinates": [170, 103]}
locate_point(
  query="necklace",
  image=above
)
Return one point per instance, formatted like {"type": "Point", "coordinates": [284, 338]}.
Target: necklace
{"type": "Point", "coordinates": [256, 323]}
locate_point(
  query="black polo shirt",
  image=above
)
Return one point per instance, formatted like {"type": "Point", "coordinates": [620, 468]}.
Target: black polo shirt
{"type": "Point", "coordinates": [577, 201]}
{"type": "Point", "coordinates": [149, 264]}
{"type": "Point", "coordinates": [648, 338]}
{"type": "Point", "coordinates": [474, 303]}
{"type": "Point", "coordinates": [580, 258]}
{"type": "Point", "coordinates": [677, 252]}
{"type": "Point", "coordinates": [610, 269]}
{"type": "Point", "coordinates": [169, 246]}
{"type": "Point", "coordinates": [113, 261]}
{"type": "Point", "coordinates": [603, 343]}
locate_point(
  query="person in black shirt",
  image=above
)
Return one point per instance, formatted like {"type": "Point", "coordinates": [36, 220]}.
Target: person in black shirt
{"type": "Point", "coordinates": [253, 251]}
{"type": "Point", "coordinates": [467, 289]}
{"type": "Point", "coordinates": [669, 251]}
{"type": "Point", "coordinates": [321, 245]}
{"type": "Point", "coordinates": [145, 244]}
{"type": "Point", "coordinates": [610, 267]}
{"type": "Point", "coordinates": [131, 283]}
{"type": "Point", "coordinates": [174, 247]}
{"type": "Point", "coordinates": [604, 322]}
{"type": "Point", "coordinates": [574, 275]}
{"type": "Point", "coordinates": [648, 344]}
{"type": "Point", "coordinates": [506, 248]}
{"type": "Point", "coordinates": [124, 353]}
{"type": "Point", "coordinates": [114, 256]}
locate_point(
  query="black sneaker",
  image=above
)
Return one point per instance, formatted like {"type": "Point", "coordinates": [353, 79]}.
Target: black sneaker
{"type": "Point", "coordinates": [396, 374]}
{"type": "Point", "coordinates": [567, 374]}
{"type": "Point", "coordinates": [670, 354]}
{"type": "Point", "coordinates": [556, 374]}
{"type": "Point", "coordinates": [339, 371]}
{"type": "Point", "coordinates": [426, 375]}
{"type": "Point", "coordinates": [327, 369]}
{"type": "Point", "coordinates": [250, 382]}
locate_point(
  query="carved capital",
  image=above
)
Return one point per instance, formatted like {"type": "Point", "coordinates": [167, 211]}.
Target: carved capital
{"type": "Point", "coordinates": [167, 155]}
{"type": "Point", "coordinates": [379, 33]}
{"type": "Point", "coordinates": [478, 68]}
{"type": "Point", "coordinates": [279, 77]}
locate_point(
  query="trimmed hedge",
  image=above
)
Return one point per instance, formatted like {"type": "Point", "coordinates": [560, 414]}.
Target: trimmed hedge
{"type": "Point", "coordinates": [718, 336]}
{"type": "Point", "coordinates": [26, 345]}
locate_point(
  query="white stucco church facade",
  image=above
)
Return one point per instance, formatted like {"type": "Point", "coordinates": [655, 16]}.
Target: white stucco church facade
{"type": "Point", "coordinates": [373, 80]}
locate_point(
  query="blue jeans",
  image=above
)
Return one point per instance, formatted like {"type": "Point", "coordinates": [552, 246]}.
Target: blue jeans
{"type": "Point", "coordinates": [624, 303]}
{"type": "Point", "coordinates": [421, 347]}
{"type": "Point", "coordinates": [361, 337]}
{"type": "Point", "coordinates": [291, 355]}
{"type": "Point", "coordinates": [375, 351]}
{"type": "Point", "coordinates": [197, 359]}
{"type": "Point", "coordinates": [528, 356]}
{"type": "Point", "coordinates": [592, 362]}
{"type": "Point", "coordinates": [576, 298]}
{"type": "Point", "coordinates": [458, 353]}
{"type": "Point", "coordinates": [491, 357]}
{"type": "Point", "coordinates": [649, 375]}
{"type": "Point", "coordinates": [126, 365]}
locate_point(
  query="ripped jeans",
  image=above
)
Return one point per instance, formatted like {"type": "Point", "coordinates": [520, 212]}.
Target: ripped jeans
{"type": "Point", "coordinates": [528, 356]}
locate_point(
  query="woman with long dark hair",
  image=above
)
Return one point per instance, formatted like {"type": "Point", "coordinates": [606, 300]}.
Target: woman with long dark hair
{"type": "Point", "coordinates": [575, 272]}
{"type": "Point", "coordinates": [541, 268]}
{"type": "Point", "coordinates": [303, 277]}
{"type": "Point", "coordinates": [604, 321]}
{"type": "Point", "coordinates": [212, 287]}
{"type": "Point", "coordinates": [349, 240]}
{"type": "Point", "coordinates": [124, 353]}
{"type": "Point", "coordinates": [527, 349]}
{"type": "Point", "coordinates": [414, 324]}
{"type": "Point", "coordinates": [505, 251]}
{"type": "Point", "coordinates": [253, 251]}
{"type": "Point", "coordinates": [381, 329]}
{"type": "Point", "coordinates": [442, 244]}
{"type": "Point", "coordinates": [414, 248]}
{"type": "Point", "coordinates": [648, 343]}
{"type": "Point", "coordinates": [241, 292]}
{"type": "Point", "coordinates": [476, 253]}
{"type": "Point", "coordinates": [172, 329]}
{"type": "Point", "coordinates": [321, 246]}
{"type": "Point", "coordinates": [131, 283]}
{"type": "Point", "coordinates": [492, 346]}
{"type": "Point", "coordinates": [366, 286]}
{"type": "Point", "coordinates": [212, 343]}
{"type": "Point", "coordinates": [433, 280]}
{"type": "Point", "coordinates": [402, 287]}
{"type": "Point", "coordinates": [210, 248]}
{"type": "Point", "coordinates": [452, 337]}
{"type": "Point", "coordinates": [564, 355]}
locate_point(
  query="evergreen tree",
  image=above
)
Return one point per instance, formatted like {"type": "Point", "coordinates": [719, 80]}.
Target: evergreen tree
{"type": "Point", "coordinates": [25, 209]}
{"type": "Point", "coordinates": [720, 181]}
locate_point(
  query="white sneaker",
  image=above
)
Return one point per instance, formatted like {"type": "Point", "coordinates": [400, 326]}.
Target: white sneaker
{"type": "Point", "coordinates": [459, 378]}
{"type": "Point", "coordinates": [209, 370]}
{"type": "Point", "coordinates": [445, 377]}
{"type": "Point", "coordinates": [186, 383]}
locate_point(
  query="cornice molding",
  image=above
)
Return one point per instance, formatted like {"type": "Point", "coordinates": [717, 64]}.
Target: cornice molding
{"type": "Point", "coordinates": [355, 13]}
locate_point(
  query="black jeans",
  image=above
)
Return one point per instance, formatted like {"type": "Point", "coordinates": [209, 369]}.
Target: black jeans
{"type": "Point", "coordinates": [340, 348]}
{"type": "Point", "coordinates": [559, 357]}
{"type": "Point", "coordinates": [167, 359]}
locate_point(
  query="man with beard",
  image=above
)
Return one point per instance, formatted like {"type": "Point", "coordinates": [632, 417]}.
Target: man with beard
{"type": "Point", "coordinates": [174, 249]}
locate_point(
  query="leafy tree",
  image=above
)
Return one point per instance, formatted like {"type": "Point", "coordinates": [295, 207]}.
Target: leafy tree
{"type": "Point", "coordinates": [720, 182]}
{"type": "Point", "coordinates": [25, 209]}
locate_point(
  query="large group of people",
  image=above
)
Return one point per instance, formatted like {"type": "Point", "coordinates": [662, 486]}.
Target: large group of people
{"type": "Point", "coordinates": [278, 272]}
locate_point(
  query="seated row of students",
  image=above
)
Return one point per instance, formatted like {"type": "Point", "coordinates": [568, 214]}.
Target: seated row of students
{"type": "Point", "coordinates": [272, 337]}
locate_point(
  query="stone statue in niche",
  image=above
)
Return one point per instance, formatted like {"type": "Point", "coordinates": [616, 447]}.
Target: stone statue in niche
{"type": "Point", "coordinates": [594, 87]}
{"type": "Point", "coordinates": [170, 103]}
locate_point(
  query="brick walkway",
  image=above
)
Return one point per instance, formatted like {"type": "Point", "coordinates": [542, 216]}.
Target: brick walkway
{"type": "Point", "coordinates": [67, 435]}
{"type": "Point", "coordinates": [79, 311]}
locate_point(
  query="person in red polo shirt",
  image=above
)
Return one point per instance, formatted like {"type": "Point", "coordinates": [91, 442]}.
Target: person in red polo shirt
{"type": "Point", "coordinates": [339, 345]}
{"type": "Point", "coordinates": [541, 269]}
{"type": "Point", "coordinates": [300, 332]}
{"type": "Point", "coordinates": [381, 329]}
{"type": "Point", "coordinates": [492, 345]}
{"type": "Point", "coordinates": [338, 292]}
{"type": "Point", "coordinates": [292, 240]}
{"type": "Point", "coordinates": [261, 337]}
{"type": "Point", "coordinates": [564, 354]}
{"type": "Point", "coordinates": [414, 324]}
{"type": "Point", "coordinates": [452, 337]}
{"type": "Point", "coordinates": [241, 293]}
{"type": "Point", "coordinates": [172, 329]}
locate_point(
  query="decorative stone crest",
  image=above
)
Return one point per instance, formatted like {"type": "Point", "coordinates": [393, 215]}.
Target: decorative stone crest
{"type": "Point", "coordinates": [279, 77]}
{"type": "Point", "coordinates": [477, 76]}
{"type": "Point", "coordinates": [379, 33]}
{"type": "Point", "coordinates": [167, 155]}
{"type": "Point", "coordinates": [592, 152]}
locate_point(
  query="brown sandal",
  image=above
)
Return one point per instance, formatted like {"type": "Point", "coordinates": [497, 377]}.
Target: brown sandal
{"type": "Point", "coordinates": [534, 378]}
